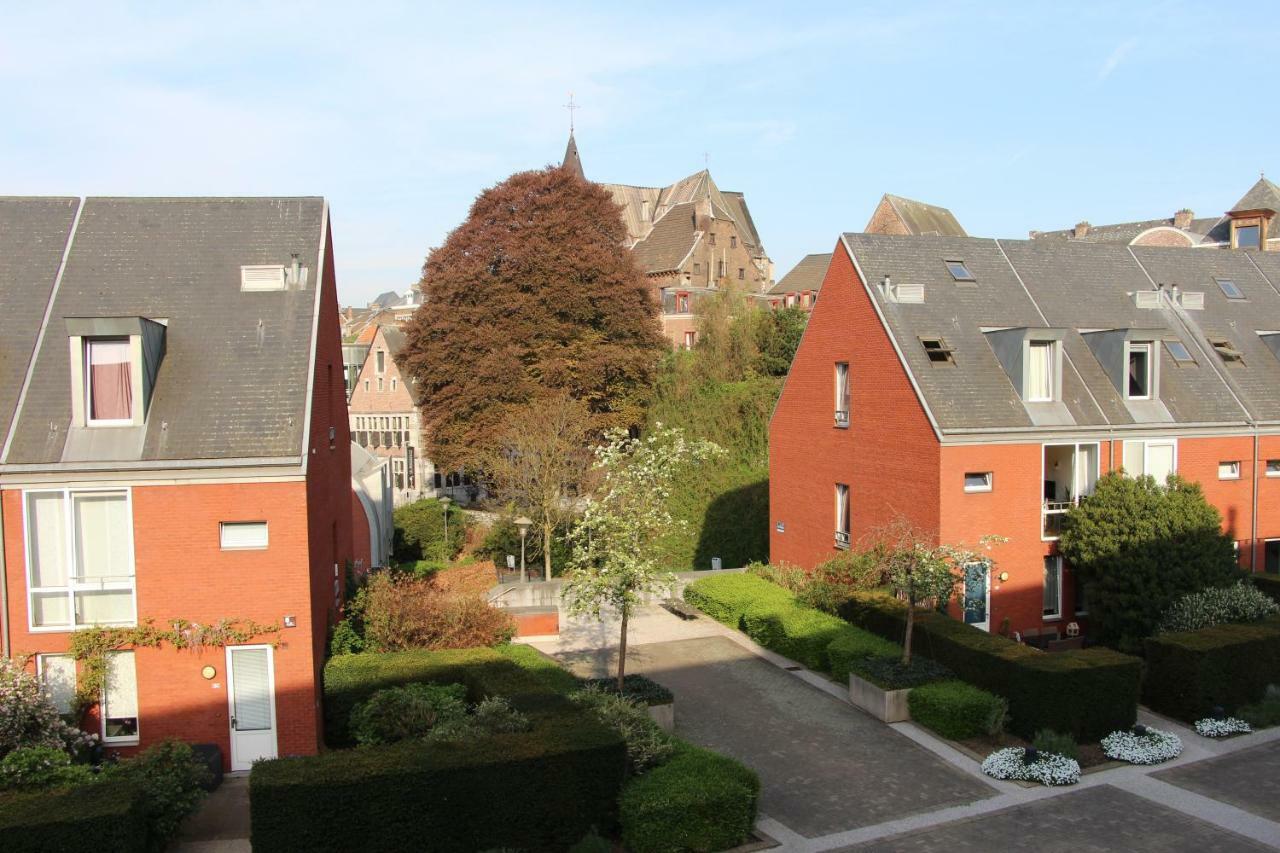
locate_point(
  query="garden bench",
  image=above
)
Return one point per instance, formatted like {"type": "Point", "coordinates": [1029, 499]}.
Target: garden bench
{"type": "Point", "coordinates": [679, 608]}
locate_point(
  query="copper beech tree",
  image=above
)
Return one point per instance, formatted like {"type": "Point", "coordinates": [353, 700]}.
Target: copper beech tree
{"type": "Point", "coordinates": [534, 293]}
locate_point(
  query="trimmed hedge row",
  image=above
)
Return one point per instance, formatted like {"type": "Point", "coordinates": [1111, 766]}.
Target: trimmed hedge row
{"type": "Point", "coordinates": [698, 800]}
{"type": "Point", "coordinates": [104, 817]}
{"type": "Point", "coordinates": [1086, 693]}
{"type": "Point", "coordinates": [543, 789]}
{"type": "Point", "coordinates": [1190, 673]}
{"type": "Point", "coordinates": [1268, 584]}
{"type": "Point", "coordinates": [770, 615]}
{"type": "Point", "coordinates": [956, 710]}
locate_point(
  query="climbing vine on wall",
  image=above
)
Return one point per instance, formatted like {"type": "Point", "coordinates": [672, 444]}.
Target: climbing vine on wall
{"type": "Point", "coordinates": [91, 646]}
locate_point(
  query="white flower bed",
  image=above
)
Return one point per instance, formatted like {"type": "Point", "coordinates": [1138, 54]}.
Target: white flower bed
{"type": "Point", "coordinates": [1151, 747]}
{"type": "Point", "coordinates": [1209, 727]}
{"type": "Point", "coordinates": [1048, 769]}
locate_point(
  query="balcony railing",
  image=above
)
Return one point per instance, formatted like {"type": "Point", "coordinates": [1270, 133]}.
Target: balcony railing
{"type": "Point", "coordinates": [1053, 513]}
{"type": "Point", "coordinates": [842, 417]}
{"type": "Point", "coordinates": [842, 539]}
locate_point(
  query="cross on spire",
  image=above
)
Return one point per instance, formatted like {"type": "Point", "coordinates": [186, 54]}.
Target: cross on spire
{"type": "Point", "coordinates": [571, 106]}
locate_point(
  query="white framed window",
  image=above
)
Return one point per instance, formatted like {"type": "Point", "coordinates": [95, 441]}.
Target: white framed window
{"type": "Point", "coordinates": [1229, 470]}
{"type": "Point", "coordinates": [79, 558]}
{"type": "Point", "coordinates": [1156, 458]}
{"type": "Point", "coordinates": [842, 393]}
{"type": "Point", "coordinates": [57, 675]}
{"type": "Point", "coordinates": [108, 382]}
{"type": "Point", "coordinates": [120, 699]}
{"type": "Point", "coordinates": [1041, 367]}
{"type": "Point", "coordinates": [690, 338]}
{"type": "Point", "coordinates": [977, 481]}
{"type": "Point", "coordinates": [1053, 587]}
{"type": "Point", "coordinates": [1273, 468]}
{"type": "Point", "coordinates": [242, 535]}
{"type": "Point", "coordinates": [1139, 384]}
{"type": "Point", "coordinates": [842, 515]}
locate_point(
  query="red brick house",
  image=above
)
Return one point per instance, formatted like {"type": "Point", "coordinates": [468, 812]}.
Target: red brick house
{"type": "Point", "coordinates": [975, 386]}
{"type": "Point", "coordinates": [175, 447]}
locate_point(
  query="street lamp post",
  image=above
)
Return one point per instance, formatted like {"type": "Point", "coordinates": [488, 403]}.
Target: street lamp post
{"type": "Point", "coordinates": [444, 549]}
{"type": "Point", "coordinates": [523, 524]}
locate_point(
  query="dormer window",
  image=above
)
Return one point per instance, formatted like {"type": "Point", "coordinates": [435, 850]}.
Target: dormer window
{"type": "Point", "coordinates": [108, 381]}
{"type": "Point", "coordinates": [1139, 358]}
{"type": "Point", "coordinates": [959, 270]}
{"type": "Point", "coordinates": [1247, 236]}
{"type": "Point", "coordinates": [1041, 369]}
{"type": "Point", "coordinates": [1229, 288]}
{"type": "Point", "coordinates": [938, 351]}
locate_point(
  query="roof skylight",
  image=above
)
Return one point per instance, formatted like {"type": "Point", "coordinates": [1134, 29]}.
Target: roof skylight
{"type": "Point", "coordinates": [959, 270]}
{"type": "Point", "coordinates": [1229, 288]}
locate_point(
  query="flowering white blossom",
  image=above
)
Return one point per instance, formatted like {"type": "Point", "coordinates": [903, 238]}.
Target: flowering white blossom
{"type": "Point", "coordinates": [1152, 746]}
{"type": "Point", "coordinates": [28, 717]}
{"type": "Point", "coordinates": [1049, 768]}
{"type": "Point", "coordinates": [1210, 727]}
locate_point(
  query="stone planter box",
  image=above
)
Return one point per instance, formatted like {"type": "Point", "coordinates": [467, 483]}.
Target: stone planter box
{"type": "Point", "coordinates": [889, 706]}
{"type": "Point", "coordinates": [664, 716]}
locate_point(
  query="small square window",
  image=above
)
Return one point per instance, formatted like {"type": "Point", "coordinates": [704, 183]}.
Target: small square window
{"type": "Point", "coordinates": [1229, 353]}
{"type": "Point", "coordinates": [1229, 288]}
{"type": "Point", "coordinates": [1178, 352]}
{"type": "Point", "coordinates": [1229, 470]}
{"type": "Point", "coordinates": [937, 350]}
{"type": "Point", "coordinates": [1273, 467]}
{"type": "Point", "coordinates": [959, 270]}
{"type": "Point", "coordinates": [977, 481]}
{"type": "Point", "coordinates": [242, 535]}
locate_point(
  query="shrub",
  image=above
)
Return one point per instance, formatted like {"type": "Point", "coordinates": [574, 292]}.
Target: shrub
{"type": "Point", "coordinates": [637, 688]}
{"type": "Point", "coordinates": [889, 673]}
{"type": "Point", "coordinates": [542, 667]}
{"type": "Point", "coordinates": [1217, 606]}
{"type": "Point", "coordinates": [413, 710]}
{"type": "Point", "coordinates": [698, 801]}
{"type": "Point", "coordinates": [853, 648]}
{"type": "Point", "coordinates": [1047, 769]}
{"type": "Point", "coordinates": [647, 745]}
{"type": "Point", "coordinates": [957, 710]}
{"type": "Point", "coordinates": [1086, 693]}
{"type": "Point", "coordinates": [41, 767]}
{"type": "Point", "coordinates": [172, 779]}
{"type": "Point", "coordinates": [1264, 713]}
{"type": "Point", "coordinates": [419, 531]}
{"type": "Point", "coordinates": [1047, 740]}
{"type": "Point", "coordinates": [592, 843]}
{"type": "Point", "coordinates": [503, 538]}
{"type": "Point", "coordinates": [29, 718]}
{"type": "Point", "coordinates": [411, 613]}
{"type": "Point", "coordinates": [829, 584]}
{"type": "Point", "coordinates": [491, 716]}
{"type": "Point", "coordinates": [1139, 546]}
{"type": "Point", "coordinates": [346, 639]}
{"type": "Point", "coordinates": [726, 597]}
{"type": "Point", "coordinates": [106, 817]}
{"type": "Point", "coordinates": [1268, 584]}
{"type": "Point", "coordinates": [1191, 673]}
{"type": "Point", "coordinates": [562, 776]}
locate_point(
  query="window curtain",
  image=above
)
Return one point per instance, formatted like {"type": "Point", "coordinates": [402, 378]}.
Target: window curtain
{"type": "Point", "coordinates": [1040, 372]}
{"type": "Point", "coordinates": [120, 702]}
{"type": "Point", "coordinates": [842, 508]}
{"type": "Point", "coordinates": [110, 382]}
{"type": "Point", "coordinates": [1051, 571]}
{"type": "Point", "coordinates": [1160, 461]}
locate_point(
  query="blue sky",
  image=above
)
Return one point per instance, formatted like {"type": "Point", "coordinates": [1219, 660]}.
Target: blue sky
{"type": "Point", "coordinates": [1015, 115]}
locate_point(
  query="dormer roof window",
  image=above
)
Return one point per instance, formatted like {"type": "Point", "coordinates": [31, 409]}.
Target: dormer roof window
{"type": "Point", "coordinates": [959, 270]}
{"type": "Point", "coordinates": [1229, 288]}
{"type": "Point", "coordinates": [108, 381]}
{"type": "Point", "coordinates": [114, 363]}
{"type": "Point", "coordinates": [1032, 359]}
{"type": "Point", "coordinates": [1140, 371]}
{"type": "Point", "coordinates": [1179, 353]}
{"type": "Point", "coordinates": [1131, 359]}
{"type": "Point", "coordinates": [938, 351]}
{"type": "Point", "coordinates": [1229, 353]}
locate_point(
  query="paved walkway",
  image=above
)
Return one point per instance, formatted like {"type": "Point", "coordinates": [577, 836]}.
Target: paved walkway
{"type": "Point", "coordinates": [222, 824]}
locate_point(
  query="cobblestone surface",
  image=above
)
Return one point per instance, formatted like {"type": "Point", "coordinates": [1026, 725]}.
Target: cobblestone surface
{"type": "Point", "coordinates": [824, 765]}
{"type": "Point", "coordinates": [1103, 818]}
{"type": "Point", "coordinates": [1249, 779]}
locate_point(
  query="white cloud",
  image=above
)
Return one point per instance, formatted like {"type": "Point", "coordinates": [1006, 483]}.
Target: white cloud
{"type": "Point", "coordinates": [1117, 57]}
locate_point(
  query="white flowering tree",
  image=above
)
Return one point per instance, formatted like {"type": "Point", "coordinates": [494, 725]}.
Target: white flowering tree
{"type": "Point", "coordinates": [613, 567]}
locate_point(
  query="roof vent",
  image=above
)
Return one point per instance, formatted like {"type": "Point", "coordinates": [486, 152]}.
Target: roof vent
{"type": "Point", "coordinates": [1147, 298]}
{"type": "Point", "coordinates": [907, 293]}
{"type": "Point", "coordinates": [1192, 300]}
{"type": "Point", "coordinates": [261, 277]}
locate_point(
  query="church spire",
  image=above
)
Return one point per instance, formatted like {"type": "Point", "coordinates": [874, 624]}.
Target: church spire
{"type": "Point", "coordinates": [571, 160]}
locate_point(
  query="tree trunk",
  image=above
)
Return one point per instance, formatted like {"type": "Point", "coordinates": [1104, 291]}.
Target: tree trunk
{"type": "Point", "coordinates": [906, 642]}
{"type": "Point", "coordinates": [547, 528]}
{"type": "Point", "coordinates": [622, 649]}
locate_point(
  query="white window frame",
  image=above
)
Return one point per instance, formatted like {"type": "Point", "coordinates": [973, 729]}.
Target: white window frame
{"type": "Point", "coordinates": [1052, 377]}
{"type": "Point", "coordinates": [1145, 346]}
{"type": "Point", "coordinates": [1232, 469]}
{"type": "Point", "coordinates": [1268, 470]}
{"type": "Point", "coordinates": [104, 706]}
{"type": "Point", "coordinates": [222, 542]}
{"type": "Point", "coordinates": [87, 377]}
{"type": "Point", "coordinates": [1075, 478]}
{"type": "Point", "coordinates": [1147, 443]}
{"type": "Point", "coordinates": [41, 661]}
{"type": "Point", "coordinates": [72, 586]}
{"type": "Point", "coordinates": [987, 476]}
{"type": "Point", "coordinates": [1054, 617]}
{"type": "Point", "coordinates": [842, 394]}
{"type": "Point", "coordinates": [844, 515]}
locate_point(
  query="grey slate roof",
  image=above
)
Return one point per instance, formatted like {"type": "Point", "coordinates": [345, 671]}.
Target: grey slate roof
{"type": "Point", "coordinates": [571, 160]}
{"type": "Point", "coordinates": [234, 380]}
{"type": "Point", "coordinates": [669, 242]}
{"type": "Point", "coordinates": [1263, 195]}
{"type": "Point", "coordinates": [33, 236]}
{"type": "Point", "coordinates": [1079, 288]}
{"type": "Point", "coordinates": [1125, 232]}
{"type": "Point", "coordinates": [806, 275]}
{"type": "Point", "coordinates": [926, 219]}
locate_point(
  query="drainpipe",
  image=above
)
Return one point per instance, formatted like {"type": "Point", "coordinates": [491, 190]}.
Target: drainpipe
{"type": "Point", "coordinates": [4, 592]}
{"type": "Point", "coordinates": [1253, 516]}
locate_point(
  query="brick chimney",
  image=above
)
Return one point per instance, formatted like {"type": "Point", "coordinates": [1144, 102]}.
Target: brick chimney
{"type": "Point", "coordinates": [1082, 228]}
{"type": "Point", "coordinates": [1182, 219]}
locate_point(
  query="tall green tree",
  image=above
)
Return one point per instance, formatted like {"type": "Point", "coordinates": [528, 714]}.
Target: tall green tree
{"type": "Point", "coordinates": [614, 564]}
{"type": "Point", "coordinates": [1140, 545]}
{"type": "Point", "coordinates": [533, 293]}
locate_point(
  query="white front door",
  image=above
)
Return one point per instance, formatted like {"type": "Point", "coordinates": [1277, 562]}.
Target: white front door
{"type": "Point", "coordinates": [251, 697]}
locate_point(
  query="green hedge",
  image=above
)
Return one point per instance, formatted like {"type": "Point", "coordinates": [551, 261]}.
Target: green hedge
{"type": "Point", "coordinates": [1086, 693]}
{"type": "Point", "coordinates": [1228, 665]}
{"type": "Point", "coordinates": [543, 789]}
{"type": "Point", "coordinates": [726, 597]}
{"type": "Point", "coordinates": [956, 710]}
{"type": "Point", "coordinates": [697, 801]}
{"type": "Point", "coordinates": [852, 647]}
{"type": "Point", "coordinates": [1269, 584]}
{"type": "Point", "coordinates": [103, 817]}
